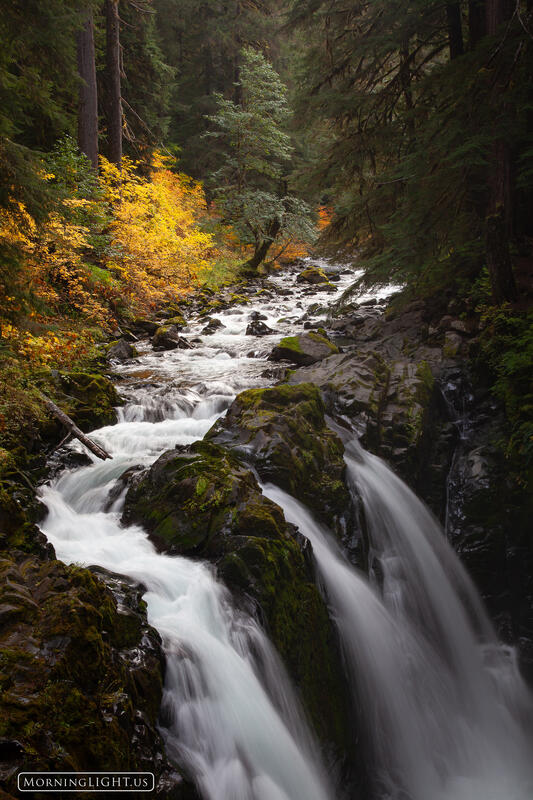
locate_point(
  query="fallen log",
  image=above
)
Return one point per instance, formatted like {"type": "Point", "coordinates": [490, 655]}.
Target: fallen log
{"type": "Point", "coordinates": [71, 426]}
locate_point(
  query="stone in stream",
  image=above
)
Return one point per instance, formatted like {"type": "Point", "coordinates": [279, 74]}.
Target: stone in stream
{"type": "Point", "coordinates": [304, 349]}
{"type": "Point", "coordinates": [258, 328]}
{"type": "Point", "coordinates": [120, 351]}
{"type": "Point", "coordinates": [166, 338]}
{"type": "Point", "coordinates": [200, 500]}
{"type": "Point", "coordinates": [146, 327]}
{"type": "Point", "coordinates": [313, 275]}
{"type": "Point", "coordinates": [213, 325]}
{"type": "Point", "coordinates": [256, 315]}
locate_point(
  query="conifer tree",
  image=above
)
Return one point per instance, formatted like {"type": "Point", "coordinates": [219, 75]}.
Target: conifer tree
{"type": "Point", "coordinates": [251, 184]}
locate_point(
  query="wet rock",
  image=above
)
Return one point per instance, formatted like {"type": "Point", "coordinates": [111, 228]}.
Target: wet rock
{"type": "Point", "coordinates": [166, 338]}
{"type": "Point", "coordinates": [304, 349]}
{"type": "Point", "coordinates": [213, 325]}
{"type": "Point", "coordinates": [178, 320]}
{"type": "Point", "coordinates": [121, 351]}
{"type": "Point", "coordinates": [88, 398]}
{"type": "Point", "coordinates": [256, 315]}
{"type": "Point", "coordinates": [258, 328]}
{"type": "Point", "coordinates": [313, 275]}
{"type": "Point", "coordinates": [144, 326]}
{"type": "Point", "coordinates": [82, 674]}
{"type": "Point", "coordinates": [282, 431]}
{"type": "Point", "coordinates": [453, 343]}
{"type": "Point", "coordinates": [202, 500]}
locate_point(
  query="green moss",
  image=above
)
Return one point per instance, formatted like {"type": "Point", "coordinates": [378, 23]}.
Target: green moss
{"type": "Point", "coordinates": [321, 338]}
{"type": "Point", "coordinates": [291, 343]}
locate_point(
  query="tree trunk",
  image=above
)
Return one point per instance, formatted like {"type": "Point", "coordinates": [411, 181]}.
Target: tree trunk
{"type": "Point", "coordinates": [113, 89]}
{"type": "Point", "coordinates": [455, 29]}
{"type": "Point", "coordinates": [499, 261]}
{"type": "Point", "coordinates": [262, 251]}
{"type": "Point", "coordinates": [74, 430]}
{"type": "Point", "coordinates": [476, 22]}
{"type": "Point", "coordinates": [500, 196]}
{"type": "Point", "coordinates": [88, 93]}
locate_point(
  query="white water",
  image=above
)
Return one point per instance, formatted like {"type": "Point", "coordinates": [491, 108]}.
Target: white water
{"type": "Point", "coordinates": [443, 703]}
{"type": "Point", "coordinates": [444, 706]}
{"type": "Point", "coordinates": [229, 712]}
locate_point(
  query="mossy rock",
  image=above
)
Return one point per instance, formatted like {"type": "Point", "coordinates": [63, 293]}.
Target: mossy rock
{"type": "Point", "coordinates": [88, 398]}
{"type": "Point", "coordinates": [304, 349]}
{"type": "Point", "coordinates": [283, 432]}
{"type": "Point", "coordinates": [192, 499]}
{"type": "Point", "coordinates": [79, 691]}
{"type": "Point", "coordinates": [178, 320]}
{"type": "Point", "coordinates": [202, 500]}
{"type": "Point", "coordinates": [313, 275]}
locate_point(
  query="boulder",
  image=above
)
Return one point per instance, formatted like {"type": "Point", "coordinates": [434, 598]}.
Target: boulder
{"type": "Point", "coordinates": [144, 326]}
{"type": "Point", "coordinates": [120, 351]}
{"type": "Point", "coordinates": [283, 433]}
{"type": "Point", "coordinates": [178, 320]}
{"type": "Point", "coordinates": [202, 501]}
{"type": "Point", "coordinates": [256, 315]}
{"type": "Point", "coordinates": [258, 328]}
{"type": "Point", "coordinates": [304, 349]}
{"type": "Point", "coordinates": [313, 275]}
{"type": "Point", "coordinates": [88, 398]}
{"type": "Point", "coordinates": [213, 325]}
{"type": "Point", "coordinates": [166, 338]}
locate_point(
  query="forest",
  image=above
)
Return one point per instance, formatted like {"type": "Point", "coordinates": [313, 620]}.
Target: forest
{"type": "Point", "coordinates": [292, 242]}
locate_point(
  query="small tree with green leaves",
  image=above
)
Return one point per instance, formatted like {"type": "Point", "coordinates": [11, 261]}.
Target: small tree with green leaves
{"type": "Point", "coordinates": [251, 184]}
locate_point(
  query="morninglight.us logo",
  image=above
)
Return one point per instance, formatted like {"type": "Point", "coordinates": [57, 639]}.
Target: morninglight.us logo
{"type": "Point", "coordinates": [86, 782]}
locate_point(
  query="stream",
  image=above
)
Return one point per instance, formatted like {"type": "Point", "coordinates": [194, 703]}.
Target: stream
{"type": "Point", "coordinates": [446, 712]}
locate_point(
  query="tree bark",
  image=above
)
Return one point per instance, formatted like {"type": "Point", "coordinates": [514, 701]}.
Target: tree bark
{"type": "Point", "coordinates": [88, 93]}
{"type": "Point", "coordinates": [476, 22]}
{"type": "Point", "coordinates": [71, 426]}
{"type": "Point", "coordinates": [113, 87]}
{"type": "Point", "coordinates": [499, 260]}
{"type": "Point", "coordinates": [262, 251]}
{"type": "Point", "coordinates": [455, 29]}
{"type": "Point", "coordinates": [498, 223]}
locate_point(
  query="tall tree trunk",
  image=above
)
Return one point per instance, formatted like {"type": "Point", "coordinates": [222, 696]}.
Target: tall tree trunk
{"type": "Point", "coordinates": [88, 94]}
{"type": "Point", "coordinates": [407, 91]}
{"type": "Point", "coordinates": [455, 29]}
{"type": "Point", "coordinates": [113, 89]}
{"type": "Point", "coordinates": [476, 22]}
{"type": "Point", "coordinates": [500, 203]}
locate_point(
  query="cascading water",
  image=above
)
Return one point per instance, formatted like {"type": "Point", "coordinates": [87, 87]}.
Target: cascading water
{"type": "Point", "coordinates": [445, 708]}
{"type": "Point", "coordinates": [443, 703]}
{"type": "Point", "coordinates": [229, 712]}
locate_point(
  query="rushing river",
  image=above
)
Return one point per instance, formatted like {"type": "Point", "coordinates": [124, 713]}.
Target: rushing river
{"type": "Point", "coordinates": [445, 708]}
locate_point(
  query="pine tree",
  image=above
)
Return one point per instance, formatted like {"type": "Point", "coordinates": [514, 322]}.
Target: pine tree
{"type": "Point", "coordinates": [251, 185]}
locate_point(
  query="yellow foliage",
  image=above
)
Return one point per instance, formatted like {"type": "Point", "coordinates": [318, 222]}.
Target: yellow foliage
{"type": "Point", "coordinates": [157, 245]}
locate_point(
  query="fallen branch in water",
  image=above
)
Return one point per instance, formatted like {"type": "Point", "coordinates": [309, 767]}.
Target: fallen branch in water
{"type": "Point", "coordinates": [71, 426]}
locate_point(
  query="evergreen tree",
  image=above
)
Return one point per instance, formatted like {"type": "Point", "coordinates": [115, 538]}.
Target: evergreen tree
{"type": "Point", "coordinates": [415, 102]}
{"type": "Point", "coordinates": [251, 185]}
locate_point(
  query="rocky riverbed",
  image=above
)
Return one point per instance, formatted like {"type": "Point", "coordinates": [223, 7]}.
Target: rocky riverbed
{"type": "Point", "coordinates": [199, 424]}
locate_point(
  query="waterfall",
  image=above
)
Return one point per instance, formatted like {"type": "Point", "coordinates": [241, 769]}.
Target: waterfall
{"type": "Point", "coordinates": [442, 701]}
{"type": "Point", "coordinates": [229, 712]}
{"type": "Point", "coordinates": [229, 715]}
